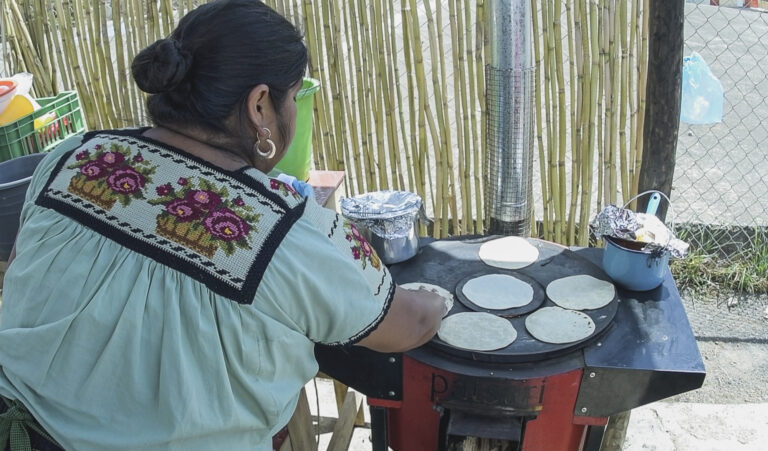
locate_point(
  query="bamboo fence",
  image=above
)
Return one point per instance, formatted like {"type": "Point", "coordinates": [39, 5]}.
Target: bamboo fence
{"type": "Point", "coordinates": [402, 103]}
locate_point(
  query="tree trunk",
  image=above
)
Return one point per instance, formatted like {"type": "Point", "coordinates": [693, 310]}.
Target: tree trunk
{"type": "Point", "coordinates": [663, 91]}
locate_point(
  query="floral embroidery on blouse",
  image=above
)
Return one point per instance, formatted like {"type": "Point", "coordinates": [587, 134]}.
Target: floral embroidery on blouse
{"type": "Point", "coordinates": [202, 217]}
{"type": "Point", "coordinates": [284, 189]}
{"type": "Point", "coordinates": [361, 249]}
{"type": "Point", "coordinates": [108, 176]}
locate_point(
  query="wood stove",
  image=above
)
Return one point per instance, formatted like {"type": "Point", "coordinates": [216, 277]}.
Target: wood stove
{"type": "Point", "coordinates": [532, 395]}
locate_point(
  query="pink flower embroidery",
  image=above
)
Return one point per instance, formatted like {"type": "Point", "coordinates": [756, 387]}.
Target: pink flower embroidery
{"type": "Point", "coordinates": [226, 224]}
{"type": "Point", "coordinates": [182, 181]}
{"type": "Point", "coordinates": [184, 210]}
{"type": "Point", "coordinates": [111, 159]}
{"type": "Point", "coordinates": [126, 180]}
{"type": "Point", "coordinates": [206, 200]}
{"type": "Point", "coordinates": [164, 190]}
{"type": "Point", "coordinates": [82, 155]}
{"type": "Point", "coordinates": [93, 170]}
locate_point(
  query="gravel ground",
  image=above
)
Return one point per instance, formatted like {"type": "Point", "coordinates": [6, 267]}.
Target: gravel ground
{"type": "Point", "coordinates": [733, 342]}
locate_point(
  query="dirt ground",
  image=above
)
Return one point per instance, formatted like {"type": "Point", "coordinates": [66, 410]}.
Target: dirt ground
{"type": "Point", "coordinates": [733, 342]}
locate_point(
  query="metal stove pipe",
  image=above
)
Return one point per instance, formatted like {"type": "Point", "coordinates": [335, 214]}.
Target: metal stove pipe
{"type": "Point", "coordinates": [509, 77]}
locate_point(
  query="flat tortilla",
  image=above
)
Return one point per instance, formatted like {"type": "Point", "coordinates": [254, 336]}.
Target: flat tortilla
{"type": "Point", "coordinates": [558, 325]}
{"type": "Point", "coordinates": [498, 292]}
{"type": "Point", "coordinates": [445, 294]}
{"type": "Point", "coordinates": [581, 292]}
{"type": "Point", "coordinates": [477, 331]}
{"type": "Point", "coordinates": [510, 252]}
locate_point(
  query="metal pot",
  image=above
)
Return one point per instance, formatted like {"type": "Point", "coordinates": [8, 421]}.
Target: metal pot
{"type": "Point", "coordinates": [635, 270]}
{"type": "Point", "coordinates": [389, 221]}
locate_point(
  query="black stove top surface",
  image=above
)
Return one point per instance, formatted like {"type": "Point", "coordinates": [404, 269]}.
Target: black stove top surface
{"type": "Point", "coordinates": [451, 263]}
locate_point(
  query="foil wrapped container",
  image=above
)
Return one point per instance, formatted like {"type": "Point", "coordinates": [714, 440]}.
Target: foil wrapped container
{"type": "Point", "coordinates": [388, 220]}
{"type": "Point", "coordinates": [643, 229]}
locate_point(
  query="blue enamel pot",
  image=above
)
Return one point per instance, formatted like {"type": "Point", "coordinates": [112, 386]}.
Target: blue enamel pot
{"type": "Point", "coordinates": [634, 269]}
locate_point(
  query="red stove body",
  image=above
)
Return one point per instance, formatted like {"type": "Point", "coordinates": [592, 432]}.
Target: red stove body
{"type": "Point", "coordinates": [534, 395]}
{"type": "Point", "coordinates": [440, 406]}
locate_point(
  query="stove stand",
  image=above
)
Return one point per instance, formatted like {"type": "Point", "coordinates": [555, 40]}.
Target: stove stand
{"type": "Point", "coordinates": [431, 398]}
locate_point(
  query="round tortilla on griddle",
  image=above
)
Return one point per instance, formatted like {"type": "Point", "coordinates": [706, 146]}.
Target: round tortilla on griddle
{"type": "Point", "coordinates": [498, 292]}
{"type": "Point", "coordinates": [511, 252]}
{"type": "Point", "coordinates": [445, 294]}
{"type": "Point", "coordinates": [581, 292]}
{"type": "Point", "coordinates": [477, 331]}
{"type": "Point", "coordinates": [558, 325]}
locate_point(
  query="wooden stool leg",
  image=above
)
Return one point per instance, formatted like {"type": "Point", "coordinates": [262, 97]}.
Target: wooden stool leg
{"type": "Point", "coordinates": [300, 426]}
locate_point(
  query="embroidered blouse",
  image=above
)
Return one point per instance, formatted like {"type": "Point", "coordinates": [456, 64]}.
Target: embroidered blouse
{"type": "Point", "coordinates": [159, 302]}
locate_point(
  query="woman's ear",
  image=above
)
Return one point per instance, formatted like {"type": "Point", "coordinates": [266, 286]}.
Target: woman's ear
{"type": "Point", "coordinates": [259, 106]}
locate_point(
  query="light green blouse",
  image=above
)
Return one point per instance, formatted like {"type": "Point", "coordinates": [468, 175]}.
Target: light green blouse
{"type": "Point", "coordinates": [159, 302]}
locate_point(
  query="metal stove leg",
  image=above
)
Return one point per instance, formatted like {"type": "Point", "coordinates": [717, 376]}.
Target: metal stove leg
{"type": "Point", "coordinates": [378, 428]}
{"type": "Point", "coordinates": [594, 438]}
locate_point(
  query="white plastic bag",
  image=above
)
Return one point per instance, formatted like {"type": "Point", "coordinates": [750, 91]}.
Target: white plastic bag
{"type": "Point", "coordinates": [702, 97]}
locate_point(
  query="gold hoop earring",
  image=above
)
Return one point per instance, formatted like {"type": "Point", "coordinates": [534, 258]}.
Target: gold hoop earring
{"type": "Point", "coordinates": [272, 149]}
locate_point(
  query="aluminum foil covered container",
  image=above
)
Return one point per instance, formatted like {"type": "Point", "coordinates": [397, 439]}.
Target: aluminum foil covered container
{"type": "Point", "coordinates": [388, 220]}
{"type": "Point", "coordinates": [645, 229]}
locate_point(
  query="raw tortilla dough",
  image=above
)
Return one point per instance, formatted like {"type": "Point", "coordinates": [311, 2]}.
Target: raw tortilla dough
{"type": "Point", "coordinates": [558, 325]}
{"type": "Point", "coordinates": [498, 292]}
{"type": "Point", "coordinates": [446, 295]}
{"type": "Point", "coordinates": [477, 331]}
{"type": "Point", "coordinates": [511, 252]}
{"type": "Point", "coordinates": [581, 292]}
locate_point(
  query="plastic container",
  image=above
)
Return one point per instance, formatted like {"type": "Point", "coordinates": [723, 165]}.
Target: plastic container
{"type": "Point", "coordinates": [298, 158]}
{"type": "Point", "coordinates": [15, 176]}
{"type": "Point", "coordinates": [58, 118]}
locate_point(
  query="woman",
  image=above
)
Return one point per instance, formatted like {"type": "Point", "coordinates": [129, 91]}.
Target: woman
{"type": "Point", "coordinates": [165, 292]}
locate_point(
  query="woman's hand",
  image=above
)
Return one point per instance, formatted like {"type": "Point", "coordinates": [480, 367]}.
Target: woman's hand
{"type": "Point", "coordinates": [412, 320]}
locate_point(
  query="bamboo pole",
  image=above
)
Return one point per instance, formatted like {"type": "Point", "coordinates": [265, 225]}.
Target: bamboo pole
{"type": "Point", "coordinates": [615, 51]}
{"type": "Point", "coordinates": [561, 106]}
{"type": "Point", "coordinates": [545, 192]}
{"type": "Point", "coordinates": [376, 95]}
{"type": "Point", "coordinates": [356, 182]}
{"type": "Point", "coordinates": [575, 52]}
{"type": "Point", "coordinates": [416, 48]}
{"type": "Point", "coordinates": [398, 104]}
{"type": "Point", "coordinates": [459, 87]}
{"type": "Point", "coordinates": [623, 103]}
{"type": "Point", "coordinates": [481, 49]}
{"type": "Point", "coordinates": [334, 112]}
{"type": "Point", "coordinates": [416, 126]}
{"type": "Point", "coordinates": [587, 163]}
{"type": "Point", "coordinates": [641, 84]}
{"type": "Point", "coordinates": [392, 99]}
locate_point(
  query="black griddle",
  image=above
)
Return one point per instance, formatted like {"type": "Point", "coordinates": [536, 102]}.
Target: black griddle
{"type": "Point", "coordinates": [450, 263]}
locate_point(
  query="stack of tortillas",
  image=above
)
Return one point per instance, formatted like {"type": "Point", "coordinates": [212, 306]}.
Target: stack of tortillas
{"type": "Point", "coordinates": [445, 294]}
{"type": "Point", "coordinates": [498, 292]}
{"type": "Point", "coordinates": [477, 331]}
{"type": "Point", "coordinates": [511, 252]}
{"type": "Point", "coordinates": [581, 292]}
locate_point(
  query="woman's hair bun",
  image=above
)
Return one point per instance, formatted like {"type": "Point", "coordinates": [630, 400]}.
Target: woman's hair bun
{"type": "Point", "coordinates": [161, 67]}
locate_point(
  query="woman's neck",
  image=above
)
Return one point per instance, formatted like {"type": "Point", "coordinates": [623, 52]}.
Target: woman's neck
{"type": "Point", "coordinates": [198, 147]}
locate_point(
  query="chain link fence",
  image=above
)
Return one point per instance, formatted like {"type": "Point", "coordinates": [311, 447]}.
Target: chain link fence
{"type": "Point", "coordinates": [720, 190]}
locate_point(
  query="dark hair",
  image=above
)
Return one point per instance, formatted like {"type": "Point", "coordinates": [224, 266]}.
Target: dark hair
{"type": "Point", "coordinates": [202, 74]}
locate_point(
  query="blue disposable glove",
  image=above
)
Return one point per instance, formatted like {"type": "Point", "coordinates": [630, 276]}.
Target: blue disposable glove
{"type": "Point", "coordinates": [304, 189]}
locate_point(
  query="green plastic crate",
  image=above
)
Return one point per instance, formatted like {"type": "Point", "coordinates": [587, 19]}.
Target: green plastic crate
{"type": "Point", "coordinates": [20, 138]}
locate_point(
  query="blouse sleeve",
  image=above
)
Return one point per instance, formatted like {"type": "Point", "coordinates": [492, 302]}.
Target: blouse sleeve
{"type": "Point", "coordinates": [43, 172]}
{"type": "Point", "coordinates": [326, 281]}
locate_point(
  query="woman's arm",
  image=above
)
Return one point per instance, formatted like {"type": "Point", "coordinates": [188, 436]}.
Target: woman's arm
{"type": "Point", "coordinates": [412, 320]}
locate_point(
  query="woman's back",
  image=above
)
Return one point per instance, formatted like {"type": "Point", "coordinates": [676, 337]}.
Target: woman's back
{"type": "Point", "coordinates": [133, 309]}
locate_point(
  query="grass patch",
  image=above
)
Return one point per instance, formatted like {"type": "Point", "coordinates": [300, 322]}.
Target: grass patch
{"type": "Point", "coordinates": [706, 269]}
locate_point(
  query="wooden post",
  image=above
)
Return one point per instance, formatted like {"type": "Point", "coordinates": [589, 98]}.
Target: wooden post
{"type": "Point", "coordinates": [663, 91]}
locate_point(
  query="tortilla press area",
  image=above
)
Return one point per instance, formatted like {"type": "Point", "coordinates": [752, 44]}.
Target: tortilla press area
{"type": "Point", "coordinates": [531, 395]}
